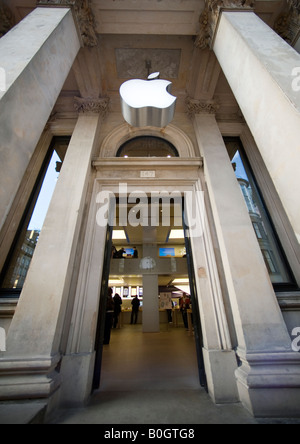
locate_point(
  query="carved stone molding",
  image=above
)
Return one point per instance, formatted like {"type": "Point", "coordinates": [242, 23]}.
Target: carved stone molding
{"type": "Point", "coordinates": [288, 23]}
{"type": "Point", "coordinates": [7, 20]}
{"type": "Point", "coordinates": [210, 17]}
{"type": "Point", "coordinates": [83, 14]}
{"type": "Point", "coordinates": [92, 105]}
{"type": "Point", "coordinates": [200, 107]}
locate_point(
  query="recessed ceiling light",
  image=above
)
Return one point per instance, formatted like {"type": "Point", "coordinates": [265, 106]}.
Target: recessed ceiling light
{"type": "Point", "coordinates": [119, 235]}
{"type": "Point", "coordinates": [176, 234]}
{"type": "Point", "coordinates": [184, 288]}
{"type": "Point", "coordinates": [181, 281]}
{"type": "Point", "coordinates": [115, 282]}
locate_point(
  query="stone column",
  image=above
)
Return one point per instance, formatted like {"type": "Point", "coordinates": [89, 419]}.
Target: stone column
{"type": "Point", "coordinates": [150, 305]}
{"type": "Point", "coordinates": [27, 369]}
{"type": "Point", "coordinates": [35, 59]}
{"type": "Point", "coordinates": [219, 356]}
{"type": "Point", "coordinates": [150, 282]}
{"type": "Point", "coordinates": [261, 69]}
{"type": "Point", "coordinates": [78, 361]}
{"type": "Point", "coordinates": [268, 369]}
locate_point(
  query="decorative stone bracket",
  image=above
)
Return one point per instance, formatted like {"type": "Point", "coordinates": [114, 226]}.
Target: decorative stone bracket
{"type": "Point", "coordinates": [200, 107]}
{"type": "Point", "coordinates": [7, 20]}
{"type": "Point", "coordinates": [92, 105]}
{"type": "Point", "coordinates": [288, 23]}
{"type": "Point", "coordinates": [210, 17]}
{"type": "Point", "coordinates": [83, 14]}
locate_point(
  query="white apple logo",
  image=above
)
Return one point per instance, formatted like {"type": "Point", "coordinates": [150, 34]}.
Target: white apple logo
{"type": "Point", "coordinates": [147, 263]}
{"type": "Point", "coordinates": [148, 102]}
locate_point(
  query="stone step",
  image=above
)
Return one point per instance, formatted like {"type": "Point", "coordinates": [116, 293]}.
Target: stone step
{"type": "Point", "coordinates": [22, 412]}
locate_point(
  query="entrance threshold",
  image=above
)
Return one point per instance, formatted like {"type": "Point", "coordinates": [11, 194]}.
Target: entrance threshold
{"type": "Point", "coordinates": [137, 361]}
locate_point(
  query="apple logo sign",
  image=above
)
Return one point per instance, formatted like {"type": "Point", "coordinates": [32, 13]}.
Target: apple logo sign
{"type": "Point", "coordinates": [148, 102]}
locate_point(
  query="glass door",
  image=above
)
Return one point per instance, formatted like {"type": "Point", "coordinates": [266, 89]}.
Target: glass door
{"type": "Point", "coordinates": [196, 308]}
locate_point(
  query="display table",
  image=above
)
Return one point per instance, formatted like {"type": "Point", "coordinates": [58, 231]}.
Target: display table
{"type": "Point", "coordinates": [125, 317]}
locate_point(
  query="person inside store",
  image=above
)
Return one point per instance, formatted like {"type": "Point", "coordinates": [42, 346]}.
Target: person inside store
{"type": "Point", "coordinates": [110, 308]}
{"type": "Point", "coordinates": [170, 311]}
{"type": "Point", "coordinates": [185, 304]}
{"type": "Point", "coordinates": [119, 254]}
{"type": "Point", "coordinates": [117, 310]}
{"type": "Point", "coordinates": [113, 252]}
{"type": "Point", "coordinates": [135, 310]}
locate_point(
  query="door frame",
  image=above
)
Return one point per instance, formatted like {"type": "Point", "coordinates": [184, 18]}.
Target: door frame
{"type": "Point", "coordinates": [195, 304]}
{"type": "Point", "coordinates": [103, 302]}
{"type": "Point", "coordinates": [102, 311]}
{"type": "Point", "coordinates": [176, 174]}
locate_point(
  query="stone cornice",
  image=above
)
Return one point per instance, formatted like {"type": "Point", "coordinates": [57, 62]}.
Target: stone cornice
{"type": "Point", "coordinates": [200, 107]}
{"type": "Point", "coordinates": [92, 105]}
{"type": "Point", "coordinates": [84, 16]}
{"type": "Point", "coordinates": [7, 20]}
{"type": "Point", "coordinates": [288, 23]}
{"type": "Point", "coordinates": [210, 17]}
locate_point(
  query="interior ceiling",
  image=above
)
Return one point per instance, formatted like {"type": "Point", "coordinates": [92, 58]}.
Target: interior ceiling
{"type": "Point", "coordinates": [161, 33]}
{"type": "Point", "coordinates": [170, 214]}
{"type": "Point", "coordinates": [162, 215]}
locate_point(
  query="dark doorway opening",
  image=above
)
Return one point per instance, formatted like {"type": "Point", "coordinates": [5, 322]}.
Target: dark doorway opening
{"type": "Point", "coordinates": [166, 254]}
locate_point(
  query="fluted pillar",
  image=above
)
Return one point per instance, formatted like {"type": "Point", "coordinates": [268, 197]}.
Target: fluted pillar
{"type": "Point", "coordinates": [35, 59]}
{"type": "Point", "coordinates": [263, 72]}
{"type": "Point", "coordinates": [28, 368]}
{"type": "Point", "coordinates": [268, 376]}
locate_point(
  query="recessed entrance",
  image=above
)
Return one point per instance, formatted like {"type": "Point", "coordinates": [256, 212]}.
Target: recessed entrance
{"type": "Point", "coordinates": [137, 361]}
{"type": "Point", "coordinates": [156, 333]}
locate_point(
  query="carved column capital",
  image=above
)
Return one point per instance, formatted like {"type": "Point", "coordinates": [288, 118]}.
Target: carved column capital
{"type": "Point", "coordinates": [201, 107]}
{"type": "Point", "coordinates": [7, 20]}
{"type": "Point", "coordinates": [92, 105]}
{"type": "Point", "coordinates": [210, 17]}
{"type": "Point", "coordinates": [83, 15]}
{"type": "Point", "coordinates": [288, 23]}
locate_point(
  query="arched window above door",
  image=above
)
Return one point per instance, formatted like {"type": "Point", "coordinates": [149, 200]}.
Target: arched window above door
{"type": "Point", "coordinates": [147, 146]}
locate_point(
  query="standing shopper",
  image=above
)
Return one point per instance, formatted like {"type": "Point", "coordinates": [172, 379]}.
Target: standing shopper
{"type": "Point", "coordinates": [135, 310]}
{"type": "Point", "coordinates": [110, 308]}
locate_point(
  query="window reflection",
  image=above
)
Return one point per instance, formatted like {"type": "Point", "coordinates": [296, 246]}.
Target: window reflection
{"type": "Point", "coordinates": [271, 250]}
{"type": "Point", "coordinates": [18, 263]}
